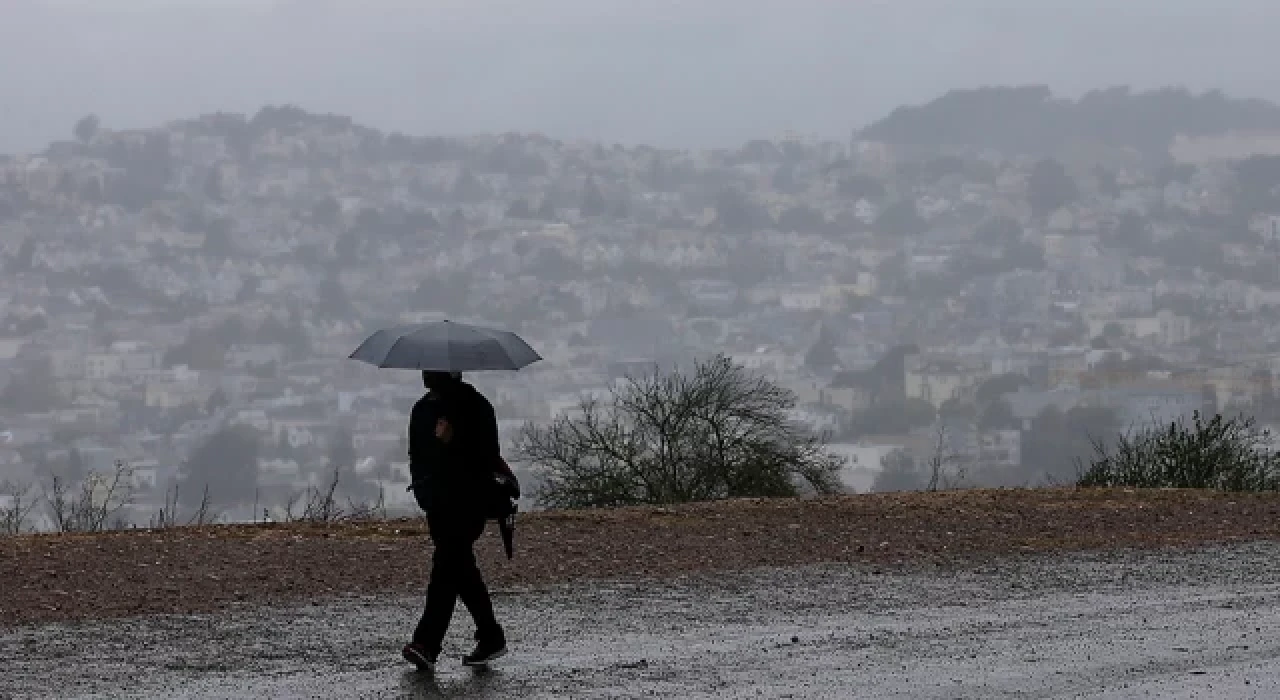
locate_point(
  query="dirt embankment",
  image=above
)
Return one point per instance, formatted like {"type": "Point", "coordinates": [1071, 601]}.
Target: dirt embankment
{"type": "Point", "coordinates": [48, 578]}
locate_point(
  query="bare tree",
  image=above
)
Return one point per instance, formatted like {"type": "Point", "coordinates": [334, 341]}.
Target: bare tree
{"type": "Point", "coordinates": [98, 501]}
{"type": "Point", "coordinates": [322, 504]}
{"type": "Point", "coordinates": [59, 505]}
{"type": "Point", "coordinates": [939, 462]}
{"type": "Point", "coordinates": [103, 496]}
{"type": "Point", "coordinates": [718, 431]}
{"type": "Point", "coordinates": [16, 505]}
{"type": "Point", "coordinates": [168, 515]}
{"type": "Point", "coordinates": [289, 505]}
{"type": "Point", "coordinates": [202, 515]}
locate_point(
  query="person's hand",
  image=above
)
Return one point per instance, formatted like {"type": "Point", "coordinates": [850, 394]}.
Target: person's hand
{"type": "Point", "coordinates": [444, 431]}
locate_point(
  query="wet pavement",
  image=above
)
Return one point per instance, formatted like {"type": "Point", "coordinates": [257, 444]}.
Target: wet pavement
{"type": "Point", "coordinates": [1190, 624]}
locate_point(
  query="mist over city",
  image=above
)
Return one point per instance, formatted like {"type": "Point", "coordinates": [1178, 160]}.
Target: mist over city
{"type": "Point", "coordinates": [1013, 271]}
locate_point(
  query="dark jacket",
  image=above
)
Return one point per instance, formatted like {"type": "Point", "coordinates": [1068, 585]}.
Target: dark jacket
{"type": "Point", "coordinates": [450, 479]}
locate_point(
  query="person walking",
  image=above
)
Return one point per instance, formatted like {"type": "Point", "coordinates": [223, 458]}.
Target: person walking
{"type": "Point", "coordinates": [453, 445]}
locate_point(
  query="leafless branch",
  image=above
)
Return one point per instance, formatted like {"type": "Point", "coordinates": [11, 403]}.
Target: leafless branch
{"type": "Point", "coordinates": [289, 505]}
{"type": "Point", "coordinates": [939, 461]}
{"type": "Point", "coordinates": [59, 506]}
{"type": "Point", "coordinates": [99, 499]}
{"type": "Point", "coordinates": [717, 431]}
{"type": "Point", "coordinates": [202, 516]}
{"type": "Point", "coordinates": [168, 515]}
{"type": "Point", "coordinates": [16, 505]}
{"type": "Point", "coordinates": [322, 505]}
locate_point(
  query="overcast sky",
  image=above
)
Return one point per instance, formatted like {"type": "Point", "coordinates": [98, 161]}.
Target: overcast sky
{"type": "Point", "coordinates": [694, 73]}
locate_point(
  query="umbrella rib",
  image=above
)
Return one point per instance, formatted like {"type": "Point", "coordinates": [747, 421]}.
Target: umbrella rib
{"type": "Point", "coordinates": [386, 356]}
{"type": "Point", "coordinates": [364, 344]}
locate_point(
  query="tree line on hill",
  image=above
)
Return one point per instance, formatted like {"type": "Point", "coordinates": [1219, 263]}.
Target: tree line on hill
{"type": "Point", "coordinates": [1029, 119]}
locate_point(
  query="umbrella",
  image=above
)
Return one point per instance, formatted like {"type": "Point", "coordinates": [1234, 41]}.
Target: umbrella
{"type": "Point", "coordinates": [447, 347]}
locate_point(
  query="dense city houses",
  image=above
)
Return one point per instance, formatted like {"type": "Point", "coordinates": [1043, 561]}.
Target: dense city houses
{"type": "Point", "coordinates": [182, 299]}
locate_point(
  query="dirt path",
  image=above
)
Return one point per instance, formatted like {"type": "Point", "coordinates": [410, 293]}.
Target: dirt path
{"type": "Point", "coordinates": [1192, 623]}
{"type": "Point", "coordinates": [186, 570]}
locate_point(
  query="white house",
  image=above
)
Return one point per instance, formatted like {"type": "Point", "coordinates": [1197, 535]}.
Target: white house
{"type": "Point", "coordinates": [253, 417]}
{"type": "Point", "coordinates": [765, 359]}
{"type": "Point", "coordinates": [803, 297]}
{"type": "Point", "coordinates": [940, 379]}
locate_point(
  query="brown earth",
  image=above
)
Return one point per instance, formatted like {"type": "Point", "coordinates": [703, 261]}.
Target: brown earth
{"type": "Point", "coordinates": [47, 578]}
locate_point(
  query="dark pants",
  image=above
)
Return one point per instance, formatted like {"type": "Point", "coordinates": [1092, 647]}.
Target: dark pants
{"type": "Point", "coordinates": [454, 575]}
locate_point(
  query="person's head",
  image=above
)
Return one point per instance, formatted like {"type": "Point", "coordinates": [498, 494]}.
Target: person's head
{"type": "Point", "coordinates": [435, 380]}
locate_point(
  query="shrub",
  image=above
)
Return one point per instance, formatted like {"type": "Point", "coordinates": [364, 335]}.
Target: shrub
{"type": "Point", "coordinates": [716, 432]}
{"type": "Point", "coordinates": [1228, 454]}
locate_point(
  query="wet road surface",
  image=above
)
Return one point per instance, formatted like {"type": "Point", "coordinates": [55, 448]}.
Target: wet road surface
{"type": "Point", "coordinates": [1190, 624]}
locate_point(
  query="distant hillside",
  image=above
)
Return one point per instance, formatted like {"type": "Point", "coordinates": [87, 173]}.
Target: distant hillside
{"type": "Point", "coordinates": [1030, 120]}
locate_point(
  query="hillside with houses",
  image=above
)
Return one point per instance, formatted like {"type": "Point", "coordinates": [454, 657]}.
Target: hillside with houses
{"type": "Point", "coordinates": [182, 298]}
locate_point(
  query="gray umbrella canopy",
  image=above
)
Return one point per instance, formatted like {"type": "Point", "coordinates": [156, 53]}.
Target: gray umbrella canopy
{"type": "Point", "coordinates": [447, 347]}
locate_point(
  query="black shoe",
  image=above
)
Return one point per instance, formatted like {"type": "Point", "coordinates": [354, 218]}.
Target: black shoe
{"type": "Point", "coordinates": [485, 652]}
{"type": "Point", "coordinates": [418, 655]}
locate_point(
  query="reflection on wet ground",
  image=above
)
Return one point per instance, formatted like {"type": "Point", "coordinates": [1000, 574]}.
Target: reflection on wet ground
{"type": "Point", "coordinates": [1197, 623]}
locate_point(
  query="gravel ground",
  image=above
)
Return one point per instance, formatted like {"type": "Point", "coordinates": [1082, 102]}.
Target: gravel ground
{"type": "Point", "coordinates": [1196, 622]}
{"type": "Point", "coordinates": [53, 578]}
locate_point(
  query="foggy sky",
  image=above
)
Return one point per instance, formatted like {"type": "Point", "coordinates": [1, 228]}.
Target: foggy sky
{"type": "Point", "coordinates": [695, 73]}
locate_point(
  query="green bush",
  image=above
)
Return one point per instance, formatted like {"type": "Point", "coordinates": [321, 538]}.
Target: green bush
{"type": "Point", "coordinates": [1227, 454]}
